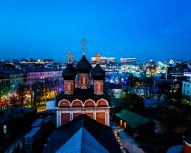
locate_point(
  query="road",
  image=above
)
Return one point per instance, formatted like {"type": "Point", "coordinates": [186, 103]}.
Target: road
{"type": "Point", "coordinates": [128, 142]}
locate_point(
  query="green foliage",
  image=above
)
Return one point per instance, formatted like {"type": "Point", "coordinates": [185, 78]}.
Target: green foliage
{"type": "Point", "coordinates": [4, 90]}
{"type": "Point", "coordinates": [132, 102]}
{"type": "Point", "coordinates": [14, 101]}
{"type": "Point", "coordinates": [182, 103]}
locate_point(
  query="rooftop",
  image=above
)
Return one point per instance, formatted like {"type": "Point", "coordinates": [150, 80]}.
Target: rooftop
{"type": "Point", "coordinates": [81, 135]}
{"type": "Point", "coordinates": [133, 120]}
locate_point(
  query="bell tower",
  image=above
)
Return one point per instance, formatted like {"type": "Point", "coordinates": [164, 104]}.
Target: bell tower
{"type": "Point", "coordinates": [98, 75]}
{"type": "Point", "coordinates": [69, 74]}
{"type": "Point", "coordinates": [83, 99]}
{"type": "Point", "coordinates": [83, 68]}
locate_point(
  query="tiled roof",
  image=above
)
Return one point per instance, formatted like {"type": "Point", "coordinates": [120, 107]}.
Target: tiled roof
{"type": "Point", "coordinates": [133, 120]}
{"type": "Point", "coordinates": [82, 141]}
{"type": "Point", "coordinates": [15, 71]}
{"type": "Point", "coordinates": [91, 130]}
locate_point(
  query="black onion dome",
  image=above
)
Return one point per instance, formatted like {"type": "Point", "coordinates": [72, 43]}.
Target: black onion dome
{"type": "Point", "coordinates": [69, 72]}
{"type": "Point", "coordinates": [98, 73]}
{"type": "Point", "coordinates": [84, 65]}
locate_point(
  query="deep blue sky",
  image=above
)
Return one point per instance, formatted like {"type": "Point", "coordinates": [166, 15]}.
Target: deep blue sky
{"type": "Point", "coordinates": [145, 29]}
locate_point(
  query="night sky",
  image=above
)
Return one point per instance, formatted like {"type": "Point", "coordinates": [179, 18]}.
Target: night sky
{"type": "Point", "coordinates": [145, 29]}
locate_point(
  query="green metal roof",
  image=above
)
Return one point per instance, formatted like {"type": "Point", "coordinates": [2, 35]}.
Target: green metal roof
{"type": "Point", "coordinates": [133, 120]}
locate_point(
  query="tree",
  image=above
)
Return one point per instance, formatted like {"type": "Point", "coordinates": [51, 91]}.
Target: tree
{"type": "Point", "coordinates": [148, 83]}
{"type": "Point", "coordinates": [131, 80]}
{"type": "Point", "coordinates": [132, 102]}
{"type": "Point", "coordinates": [4, 97]}
{"type": "Point", "coordinates": [21, 92]}
{"type": "Point", "coordinates": [37, 89]}
{"type": "Point", "coordinates": [14, 103]}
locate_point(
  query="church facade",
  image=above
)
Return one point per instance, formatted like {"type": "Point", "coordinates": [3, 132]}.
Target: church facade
{"type": "Point", "coordinates": [79, 97]}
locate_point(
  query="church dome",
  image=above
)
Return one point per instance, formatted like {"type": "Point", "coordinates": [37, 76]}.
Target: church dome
{"type": "Point", "coordinates": [69, 72]}
{"type": "Point", "coordinates": [98, 73]}
{"type": "Point", "coordinates": [84, 65]}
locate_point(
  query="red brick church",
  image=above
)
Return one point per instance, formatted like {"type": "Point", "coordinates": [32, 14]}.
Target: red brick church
{"type": "Point", "coordinates": [79, 97]}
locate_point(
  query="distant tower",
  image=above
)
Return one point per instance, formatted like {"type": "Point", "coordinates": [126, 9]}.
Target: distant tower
{"type": "Point", "coordinates": [98, 75]}
{"type": "Point", "coordinates": [83, 68]}
{"type": "Point", "coordinates": [69, 74]}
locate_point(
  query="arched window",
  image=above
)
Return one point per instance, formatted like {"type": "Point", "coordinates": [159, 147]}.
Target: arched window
{"type": "Point", "coordinates": [77, 103]}
{"type": "Point", "coordinates": [64, 103]}
{"type": "Point", "coordinates": [89, 103]}
{"type": "Point", "coordinates": [102, 103]}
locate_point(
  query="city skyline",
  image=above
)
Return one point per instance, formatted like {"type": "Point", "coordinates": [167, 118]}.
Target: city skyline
{"type": "Point", "coordinates": [146, 30]}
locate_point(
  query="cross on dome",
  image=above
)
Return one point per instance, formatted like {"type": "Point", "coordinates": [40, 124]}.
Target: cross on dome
{"type": "Point", "coordinates": [83, 43]}
{"type": "Point", "coordinates": [69, 55]}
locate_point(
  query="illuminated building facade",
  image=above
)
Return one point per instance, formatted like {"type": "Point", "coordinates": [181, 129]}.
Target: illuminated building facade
{"type": "Point", "coordinates": [127, 60]}
{"type": "Point", "coordinates": [186, 84]}
{"type": "Point", "coordinates": [78, 97]}
{"type": "Point", "coordinates": [103, 60]}
{"type": "Point", "coordinates": [12, 77]}
{"type": "Point", "coordinates": [42, 74]}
